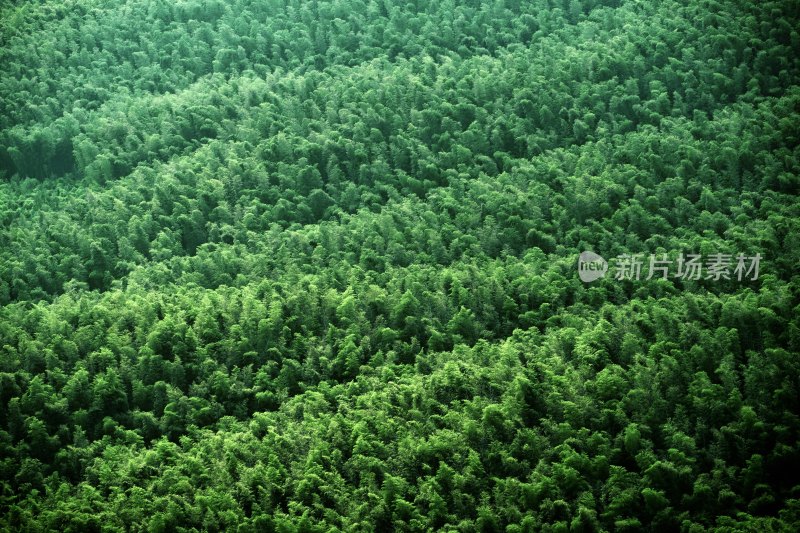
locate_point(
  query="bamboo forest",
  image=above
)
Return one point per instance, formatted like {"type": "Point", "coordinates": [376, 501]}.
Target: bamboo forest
{"type": "Point", "coordinates": [415, 266]}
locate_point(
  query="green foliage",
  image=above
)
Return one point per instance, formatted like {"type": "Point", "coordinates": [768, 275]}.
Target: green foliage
{"type": "Point", "coordinates": [309, 266]}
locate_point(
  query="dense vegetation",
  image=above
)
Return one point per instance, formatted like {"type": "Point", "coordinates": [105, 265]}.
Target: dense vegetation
{"type": "Point", "coordinates": [311, 266]}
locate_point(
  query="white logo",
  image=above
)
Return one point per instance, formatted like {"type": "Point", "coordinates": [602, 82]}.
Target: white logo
{"type": "Point", "coordinates": [591, 267]}
{"type": "Point", "coordinates": [718, 266]}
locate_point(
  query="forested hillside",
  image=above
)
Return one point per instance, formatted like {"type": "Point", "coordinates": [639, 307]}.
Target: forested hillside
{"type": "Point", "coordinates": [286, 265]}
